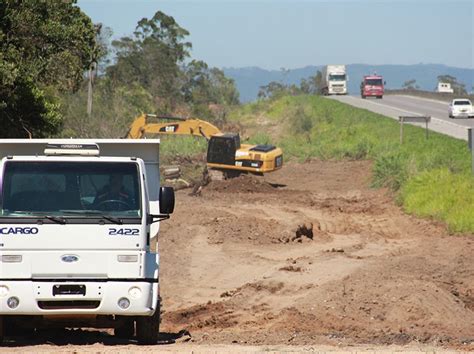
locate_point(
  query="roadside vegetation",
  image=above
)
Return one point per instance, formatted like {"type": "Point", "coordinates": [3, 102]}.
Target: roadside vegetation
{"type": "Point", "coordinates": [430, 177]}
{"type": "Point", "coordinates": [63, 76]}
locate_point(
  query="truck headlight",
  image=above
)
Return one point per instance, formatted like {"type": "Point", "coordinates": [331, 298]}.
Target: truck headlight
{"type": "Point", "coordinates": [4, 290]}
{"type": "Point", "coordinates": [123, 303]}
{"type": "Point", "coordinates": [13, 302]}
{"type": "Point", "coordinates": [135, 292]}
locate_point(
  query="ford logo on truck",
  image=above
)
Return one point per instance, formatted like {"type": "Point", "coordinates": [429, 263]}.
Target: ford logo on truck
{"type": "Point", "coordinates": [19, 230]}
{"type": "Point", "coordinates": [69, 258]}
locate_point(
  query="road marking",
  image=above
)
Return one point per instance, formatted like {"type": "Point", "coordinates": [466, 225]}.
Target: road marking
{"type": "Point", "coordinates": [443, 103]}
{"type": "Point", "coordinates": [385, 105]}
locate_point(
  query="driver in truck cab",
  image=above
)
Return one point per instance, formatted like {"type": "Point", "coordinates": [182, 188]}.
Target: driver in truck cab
{"type": "Point", "coordinates": [114, 191]}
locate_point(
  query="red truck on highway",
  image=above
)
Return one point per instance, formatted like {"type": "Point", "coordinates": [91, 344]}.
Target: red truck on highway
{"type": "Point", "coordinates": [372, 85]}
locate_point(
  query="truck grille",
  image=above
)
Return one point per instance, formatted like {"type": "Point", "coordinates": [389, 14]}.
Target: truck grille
{"type": "Point", "coordinates": [68, 304]}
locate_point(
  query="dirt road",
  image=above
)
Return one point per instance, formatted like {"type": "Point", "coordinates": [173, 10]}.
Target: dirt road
{"type": "Point", "coordinates": [309, 256]}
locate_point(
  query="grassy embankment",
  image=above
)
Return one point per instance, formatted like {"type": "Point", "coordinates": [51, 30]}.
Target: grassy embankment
{"type": "Point", "coordinates": [431, 178]}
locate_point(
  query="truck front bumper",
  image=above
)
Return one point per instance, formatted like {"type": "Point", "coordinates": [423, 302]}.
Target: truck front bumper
{"type": "Point", "coordinates": [125, 298]}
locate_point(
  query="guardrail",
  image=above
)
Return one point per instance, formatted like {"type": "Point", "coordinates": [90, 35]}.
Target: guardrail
{"type": "Point", "coordinates": [470, 141]}
{"type": "Point", "coordinates": [413, 119]}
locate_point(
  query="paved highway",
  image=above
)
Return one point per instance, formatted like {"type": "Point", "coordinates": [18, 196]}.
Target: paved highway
{"type": "Point", "coordinates": [399, 105]}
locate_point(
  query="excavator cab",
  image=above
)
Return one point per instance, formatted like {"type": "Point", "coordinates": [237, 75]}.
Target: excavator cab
{"type": "Point", "coordinates": [221, 148]}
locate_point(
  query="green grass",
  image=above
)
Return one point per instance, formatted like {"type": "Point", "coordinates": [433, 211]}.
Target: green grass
{"type": "Point", "coordinates": [179, 147]}
{"type": "Point", "coordinates": [431, 177]}
{"type": "Point", "coordinates": [443, 195]}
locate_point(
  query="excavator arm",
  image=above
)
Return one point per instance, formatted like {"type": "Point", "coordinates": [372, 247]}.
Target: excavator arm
{"type": "Point", "coordinates": [224, 153]}
{"type": "Point", "coordinates": [141, 126]}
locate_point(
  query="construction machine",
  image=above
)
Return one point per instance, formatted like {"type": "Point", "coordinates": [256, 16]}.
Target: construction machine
{"type": "Point", "coordinates": [225, 153]}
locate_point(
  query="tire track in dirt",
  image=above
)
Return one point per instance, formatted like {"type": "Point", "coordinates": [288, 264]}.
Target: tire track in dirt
{"type": "Point", "coordinates": [370, 273]}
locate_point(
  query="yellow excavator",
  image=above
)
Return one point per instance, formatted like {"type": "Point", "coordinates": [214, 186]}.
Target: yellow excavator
{"type": "Point", "coordinates": [225, 153]}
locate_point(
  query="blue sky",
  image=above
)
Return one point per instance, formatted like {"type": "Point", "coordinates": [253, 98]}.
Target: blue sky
{"type": "Point", "coordinates": [275, 34]}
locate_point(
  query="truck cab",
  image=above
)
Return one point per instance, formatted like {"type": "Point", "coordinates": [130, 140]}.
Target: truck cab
{"type": "Point", "coordinates": [372, 86]}
{"type": "Point", "coordinates": [334, 80]}
{"type": "Point", "coordinates": [77, 218]}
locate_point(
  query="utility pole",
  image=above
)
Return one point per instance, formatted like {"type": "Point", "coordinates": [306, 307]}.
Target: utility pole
{"type": "Point", "coordinates": [92, 70]}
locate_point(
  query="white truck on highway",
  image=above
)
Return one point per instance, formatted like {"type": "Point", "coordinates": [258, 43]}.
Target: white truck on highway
{"type": "Point", "coordinates": [78, 220]}
{"type": "Point", "coordinates": [334, 80]}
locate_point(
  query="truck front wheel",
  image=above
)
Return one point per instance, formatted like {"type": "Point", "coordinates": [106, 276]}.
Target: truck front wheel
{"type": "Point", "coordinates": [1, 330]}
{"type": "Point", "coordinates": [126, 329]}
{"type": "Point", "coordinates": [148, 327]}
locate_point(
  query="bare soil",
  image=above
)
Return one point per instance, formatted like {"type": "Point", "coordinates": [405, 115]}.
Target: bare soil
{"type": "Point", "coordinates": [308, 257]}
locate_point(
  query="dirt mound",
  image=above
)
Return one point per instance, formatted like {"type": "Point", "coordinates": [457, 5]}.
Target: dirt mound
{"type": "Point", "coordinates": [241, 184]}
{"type": "Point", "coordinates": [255, 230]}
{"type": "Point", "coordinates": [271, 287]}
{"type": "Point", "coordinates": [210, 315]}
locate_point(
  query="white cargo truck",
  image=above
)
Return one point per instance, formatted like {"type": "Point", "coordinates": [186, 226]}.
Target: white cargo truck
{"type": "Point", "coordinates": [334, 80]}
{"type": "Point", "coordinates": [77, 222]}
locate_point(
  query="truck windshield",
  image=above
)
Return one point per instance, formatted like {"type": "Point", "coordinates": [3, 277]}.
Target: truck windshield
{"type": "Point", "coordinates": [337, 77]}
{"type": "Point", "coordinates": [82, 189]}
{"type": "Point", "coordinates": [373, 82]}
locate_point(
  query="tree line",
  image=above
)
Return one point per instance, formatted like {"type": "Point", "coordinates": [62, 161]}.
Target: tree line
{"type": "Point", "coordinates": [54, 61]}
{"type": "Point", "coordinates": [458, 87]}
{"type": "Point", "coordinates": [274, 90]}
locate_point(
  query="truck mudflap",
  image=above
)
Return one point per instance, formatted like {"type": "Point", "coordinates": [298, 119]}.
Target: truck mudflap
{"type": "Point", "coordinates": [124, 298]}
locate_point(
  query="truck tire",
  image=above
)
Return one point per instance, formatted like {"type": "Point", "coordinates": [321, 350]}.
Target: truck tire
{"type": "Point", "coordinates": [125, 330]}
{"type": "Point", "coordinates": [1, 330]}
{"type": "Point", "coordinates": [148, 327]}
{"type": "Point", "coordinates": [362, 96]}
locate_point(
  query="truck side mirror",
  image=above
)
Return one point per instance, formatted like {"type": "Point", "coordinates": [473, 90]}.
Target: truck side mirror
{"type": "Point", "coordinates": [166, 200]}
{"type": "Point", "coordinates": [385, 82]}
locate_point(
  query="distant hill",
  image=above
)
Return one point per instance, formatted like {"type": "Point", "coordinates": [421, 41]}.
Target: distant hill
{"type": "Point", "coordinates": [249, 79]}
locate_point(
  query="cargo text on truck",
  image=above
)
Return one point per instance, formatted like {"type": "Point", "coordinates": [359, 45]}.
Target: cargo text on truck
{"type": "Point", "coordinates": [76, 224]}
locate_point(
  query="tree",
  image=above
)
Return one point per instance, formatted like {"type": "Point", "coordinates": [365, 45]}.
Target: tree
{"type": "Point", "coordinates": [458, 88]}
{"type": "Point", "coordinates": [44, 48]}
{"type": "Point", "coordinates": [205, 88]}
{"type": "Point", "coordinates": [152, 59]}
{"type": "Point", "coordinates": [410, 85]}
{"type": "Point", "coordinates": [318, 82]}
{"type": "Point", "coordinates": [272, 90]}
{"type": "Point", "coordinates": [312, 85]}
{"type": "Point", "coordinates": [150, 75]}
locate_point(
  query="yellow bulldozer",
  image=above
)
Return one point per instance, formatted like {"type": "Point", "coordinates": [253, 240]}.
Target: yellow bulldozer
{"type": "Point", "coordinates": [225, 153]}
